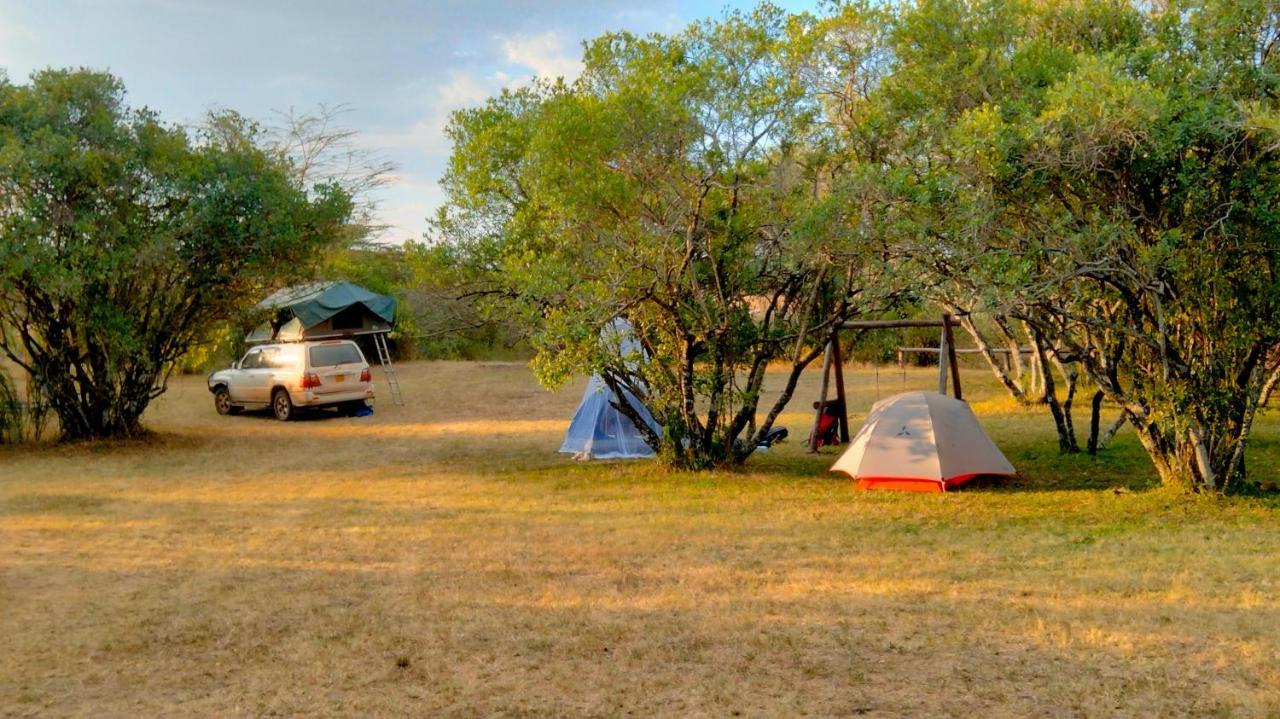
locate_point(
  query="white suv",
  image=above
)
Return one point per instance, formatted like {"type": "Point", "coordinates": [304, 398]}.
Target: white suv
{"type": "Point", "coordinates": [296, 375]}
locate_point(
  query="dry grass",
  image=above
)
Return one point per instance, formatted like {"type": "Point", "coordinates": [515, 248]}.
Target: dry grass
{"type": "Point", "coordinates": [443, 560]}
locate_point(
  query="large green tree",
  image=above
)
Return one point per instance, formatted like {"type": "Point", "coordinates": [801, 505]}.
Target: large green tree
{"type": "Point", "coordinates": [1107, 172]}
{"type": "Point", "coordinates": [680, 183]}
{"type": "Point", "coordinates": [125, 240]}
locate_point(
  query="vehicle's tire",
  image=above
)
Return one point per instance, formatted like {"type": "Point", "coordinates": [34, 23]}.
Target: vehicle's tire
{"type": "Point", "coordinates": [222, 402]}
{"type": "Point", "coordinates": [282, 406]}
{"type": "Point", "coordinates": [352, 407]}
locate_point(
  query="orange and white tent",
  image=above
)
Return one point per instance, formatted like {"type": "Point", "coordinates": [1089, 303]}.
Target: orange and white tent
{"type": "Point", "coordinates": [922, 442]}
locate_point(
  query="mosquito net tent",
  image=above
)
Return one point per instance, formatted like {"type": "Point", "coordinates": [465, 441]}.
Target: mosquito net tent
{"type": "Point", "coordinates": [598, 430]}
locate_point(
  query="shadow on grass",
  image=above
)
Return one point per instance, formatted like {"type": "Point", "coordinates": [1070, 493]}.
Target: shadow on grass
{"type": "Point", "coordinates": [64, 504]}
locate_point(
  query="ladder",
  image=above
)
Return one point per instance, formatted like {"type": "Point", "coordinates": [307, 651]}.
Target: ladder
{"type": "Point", "coordinates": [388, 371]}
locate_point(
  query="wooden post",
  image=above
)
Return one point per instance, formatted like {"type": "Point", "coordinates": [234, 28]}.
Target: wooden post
{"type": "Point", "coordinates": [951, 351]}
{"type": "Point", "coordinates": [1035, 375]}
{"type": "Point", "coordinates": [944, 355]}
{"type": "Point", "coordinates": [822, 399]}
{"type": "Point", "coordinates": [838, 361]}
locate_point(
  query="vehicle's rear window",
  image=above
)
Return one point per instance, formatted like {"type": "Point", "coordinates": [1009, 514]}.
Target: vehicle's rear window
{"type": "Point", "coordinates": [330, 355]}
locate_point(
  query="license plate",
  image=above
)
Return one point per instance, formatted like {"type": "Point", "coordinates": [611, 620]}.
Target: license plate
{"type": "Point", "coordinates": [339, 378]}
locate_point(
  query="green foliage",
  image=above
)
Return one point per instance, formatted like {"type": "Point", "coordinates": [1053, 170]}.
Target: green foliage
{"type": "Point", "coordinates": [1107, 172]}
{"type": "Point", "coordinates": [677, 184]}
{"type": "Point", "coordinates": [127, 241]}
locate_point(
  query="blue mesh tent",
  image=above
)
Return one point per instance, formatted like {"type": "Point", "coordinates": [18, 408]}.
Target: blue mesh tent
{"type": "Point", "coordinates": [598, 429]}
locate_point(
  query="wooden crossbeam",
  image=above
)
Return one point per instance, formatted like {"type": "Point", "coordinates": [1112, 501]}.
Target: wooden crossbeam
{"type": "Point", "coordinates": [891, 324]}
{"type": "Point", "coordinates": [965, 350]}
{"type": "Point", "coordinates": [947, 365]}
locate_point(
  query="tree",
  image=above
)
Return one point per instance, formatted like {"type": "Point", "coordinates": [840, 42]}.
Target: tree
{"type": "Point", "coordinates": [1107, 173]}
{"type": "Point", "coordinates": [125, 240]}
{"type": "Point", "coordinates": [675, 184]}
{"type": "Point", "coordinates": [320, 149]}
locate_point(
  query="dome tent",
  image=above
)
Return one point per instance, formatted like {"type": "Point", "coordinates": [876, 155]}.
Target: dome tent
{"type": "Point", "coordinates": [598, 430]}
{"type": "Point", "coordinates": [923, 442]}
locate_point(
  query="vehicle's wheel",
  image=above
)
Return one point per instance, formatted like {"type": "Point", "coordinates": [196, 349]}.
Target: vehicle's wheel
{"type": "Point", "coordinates": [282, 406]}
{"type": "Point", "coordinates": [222, 402]}
{"type": "Point", "coordinates": [352, 407]}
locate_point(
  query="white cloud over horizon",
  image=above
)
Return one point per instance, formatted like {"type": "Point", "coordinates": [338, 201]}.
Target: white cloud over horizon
{"type": "Point", "coordinates": [401, 66]}
{"type": "Point", "coordinates": [547, 54]}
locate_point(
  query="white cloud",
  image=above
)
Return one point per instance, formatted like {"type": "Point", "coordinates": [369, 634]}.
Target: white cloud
{"type": "Point", "coordinates": [403, 222]}
{"type": "Point", "coordinates": [423, 149]}
{"type": "Point", "coordinates": [404, 208]}
{"type": "Point", "coordinates": [462, 89]}
{"type": "Point", "coordinates": [16, 41]}
{"type": "Point", "coordinates": [414, 195]}
{"type": "Point", "coordinates": [546, 54]}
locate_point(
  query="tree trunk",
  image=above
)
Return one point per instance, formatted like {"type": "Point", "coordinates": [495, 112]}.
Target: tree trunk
{"type": "Point", "coordinates": [1071, 377]}
{"type": "Point", "coordinates": [1185, 457]}
{"type": "Point", "coordinates": [997, 368]}
{"type": "Point", "coordinates": [1112, 430]}
{"type": "Point", "coordinates": [89, 412]}
{"type": "Point", "coordinates": [1062, 421]}
{"type": "Point", "coordinates": [1095, 419]}
{"type": "Point", "coordinates": [1015, 352]}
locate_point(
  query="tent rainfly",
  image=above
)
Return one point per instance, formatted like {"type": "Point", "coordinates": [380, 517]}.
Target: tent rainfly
{"type": "Point", "coordinates": [922, 442]}
{"type": "Point", "coordinates": [323, 310]}
{"type": "Point", "coordinates": [600, 431]}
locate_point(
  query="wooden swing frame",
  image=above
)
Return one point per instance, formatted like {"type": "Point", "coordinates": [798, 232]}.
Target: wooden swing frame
{"type": "Point", "coordinates": [946, 366]}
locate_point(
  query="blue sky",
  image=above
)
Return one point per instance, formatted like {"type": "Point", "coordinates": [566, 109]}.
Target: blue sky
{"type": "Point", "coordinates": [402, 66]}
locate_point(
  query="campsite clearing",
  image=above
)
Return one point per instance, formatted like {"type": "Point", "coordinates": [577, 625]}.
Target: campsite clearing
{"type": "Point", "coordinates": [443, 559]}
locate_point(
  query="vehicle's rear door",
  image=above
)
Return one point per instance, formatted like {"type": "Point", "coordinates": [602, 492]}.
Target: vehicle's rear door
{"type": "Point", "coordinates": [284, 367]}
{"type": "Point", "coordinates": [337, 364]}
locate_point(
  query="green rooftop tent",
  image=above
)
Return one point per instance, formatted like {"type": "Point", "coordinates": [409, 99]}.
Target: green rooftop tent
{"type": "Point", "coordinates": [323, 310]}
{"type": "Point", "coordinates": [330, 310]}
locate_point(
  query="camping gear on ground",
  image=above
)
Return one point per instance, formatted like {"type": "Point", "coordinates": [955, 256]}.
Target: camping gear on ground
{"type": "Point", "coordinates": [329, 310]}
{"type": "Point", "coordinates": [828, 429]}
{"type": "Point", "coordinates": [600, 431]}
{"type": "Point", "coordinates": [922, 442]}
{"type": "Point", "coordinates": [772, 437]}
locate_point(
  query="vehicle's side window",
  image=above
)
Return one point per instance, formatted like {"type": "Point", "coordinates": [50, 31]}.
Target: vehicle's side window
{"type": "Point", "coordinates": [283, 359]}
{"type": "Point", "coordinates": [252, 360]}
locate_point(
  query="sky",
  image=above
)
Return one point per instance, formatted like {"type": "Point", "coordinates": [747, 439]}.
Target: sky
{"type": "Point", "coordinates": [400, 66]}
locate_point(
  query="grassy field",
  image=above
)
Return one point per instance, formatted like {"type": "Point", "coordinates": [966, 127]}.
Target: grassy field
{"type": "Point", "coordinates": [442, 559]}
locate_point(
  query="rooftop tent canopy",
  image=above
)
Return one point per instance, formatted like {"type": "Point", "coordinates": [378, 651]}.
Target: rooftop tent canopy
{"type": "Point", "coordinates": [324, 309]}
